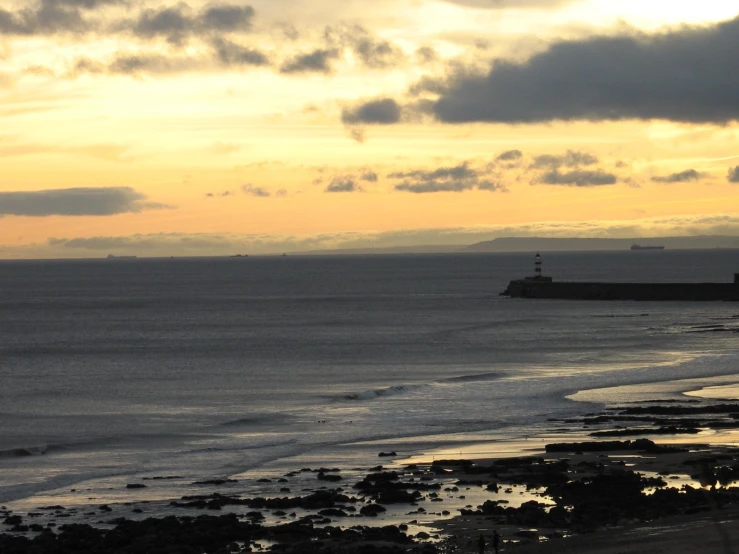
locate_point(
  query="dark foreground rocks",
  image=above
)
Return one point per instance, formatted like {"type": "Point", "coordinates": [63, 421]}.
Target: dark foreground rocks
{"type": "Point", "coordinates": [207, 534]}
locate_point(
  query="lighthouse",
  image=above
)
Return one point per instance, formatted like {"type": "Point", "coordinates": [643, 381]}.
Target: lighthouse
{"type": "Point", "coordinates": [538, 277]}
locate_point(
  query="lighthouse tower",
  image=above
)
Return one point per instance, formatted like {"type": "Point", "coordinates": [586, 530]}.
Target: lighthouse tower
{"type": "Point", "coordinates": [538, 277]}
{"type": "Point", "coordinates": [537, 266]}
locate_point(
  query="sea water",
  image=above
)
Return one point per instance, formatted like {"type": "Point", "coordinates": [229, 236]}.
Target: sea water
{"type": "Point", "coordinates": [115, 371]}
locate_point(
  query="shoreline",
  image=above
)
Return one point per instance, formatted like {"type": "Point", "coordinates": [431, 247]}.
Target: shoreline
{"type": "Point", "coordinates": [439, 501]}
{"type": "Point", "coordinates": [417, 447]}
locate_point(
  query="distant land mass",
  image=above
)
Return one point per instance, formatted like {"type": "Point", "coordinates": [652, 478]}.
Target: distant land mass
{"type": "Point", "coordinates": [419, 249]}
{"type": "Point", "coordinates": [544, 244]}
{"type": "Point", "coordinates": [527, 244]}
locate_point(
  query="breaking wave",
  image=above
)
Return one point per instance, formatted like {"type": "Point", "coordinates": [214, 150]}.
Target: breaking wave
{"type": "Point", "coordinates": [388, 391]}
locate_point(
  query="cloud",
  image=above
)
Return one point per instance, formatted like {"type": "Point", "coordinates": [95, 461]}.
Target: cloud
{"type": "Point", "coordinates": [227, 54]}
{"type": "Point", "coordinates": [174, 23]}
{"type": "Point", "coordinates": [569, 159]}
{"type": "Point", "coordinates": [461, 171]}
{"type": "Point", "coordinates": [357, 134]}
{"type": "Point", "coordinates": [343, 184]}
{"type": "Point", "coordinates": [686, 75]}
{"type": "Point", "coordinates": [151, 63]}
{"type": "Point", "coordinates": [426, 54]}
{"type": "Point", "coordinates": [177, 23]}
{"type": "Point", "coordinates": [84, 4]}
{"type": "Point", "coordinates": [509, 156]}
{"type": "Point", "coordinates": [378, 54]}
{"type": "Point", "coordinates": [167, 244]}
{"type": "Point", "coordinates": [734, 174]}
{"type": "Point", "coordinates": [681, 177]}
{"type": "Point", "coordinates": [47, 17]}
{"type": "Point", "coordinates": [457, 178]}
{"type": "Point", "coordinates": [317, 61]}
{"type": "Point", "coordinates": [510, 4]}
{"type": "Point", "coordinates": [75, 202]}
{"type": "Point", "coordinates": [259, 192]}
{"type": "Point", "coordinates": [577, 178]}
{"type": "Point", "coordinates": [372, 52]}
{"type": "Point", "coordinates": [231, 53]}
{"type": "Point", "coordinates": [369, 176]}
{"type": "Point", "coordinates": [383, 111]}
{"type": "Point", "coordinates": [225, 17]}
{"type": "Point", "coordinates": [213, 35]}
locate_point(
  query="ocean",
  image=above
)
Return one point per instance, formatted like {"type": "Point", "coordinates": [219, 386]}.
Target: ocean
{"type": "Point", "coordinates": [173, 371]}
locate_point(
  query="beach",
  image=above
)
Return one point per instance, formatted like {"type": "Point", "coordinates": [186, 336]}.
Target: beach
{"type": "Point", "coordinates": [608, 495]}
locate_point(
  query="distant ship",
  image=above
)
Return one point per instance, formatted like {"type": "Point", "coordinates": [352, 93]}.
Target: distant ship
{"type": "Point", "coordinates": [112, 257]}
{"type": "Point", "coordinates": [646, 247]}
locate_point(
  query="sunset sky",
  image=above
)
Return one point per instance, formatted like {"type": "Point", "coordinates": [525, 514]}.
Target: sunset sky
{"type": "Point", "coordinates": [264, 126]}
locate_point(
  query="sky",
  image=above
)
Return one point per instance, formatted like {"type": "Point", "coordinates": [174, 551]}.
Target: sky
{"type": "Point", "coordinates": [265, 126]}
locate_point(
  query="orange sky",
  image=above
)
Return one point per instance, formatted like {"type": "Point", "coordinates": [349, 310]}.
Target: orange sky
{"type": "Point", "coordinates": [222, 127]}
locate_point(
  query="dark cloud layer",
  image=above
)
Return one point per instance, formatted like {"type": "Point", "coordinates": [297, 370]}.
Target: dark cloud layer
{"type": "Point", "coordinates": [734, 174]}
{"type": "Point", "coordinates": [259, 192]}
{"type": "Point", "coordinates": [220, 26]}
{"type": "Point", "coordinates": [47, 17]}
{"type": "Point", "coordinates": [231, 53]}
{"type": "Point", "coordinates": [74, 202]}
{"type": "Point", "coordinates": [174, 23]}
{"type": "Point", "coordinates": [681, 177]}
{"type": "Point", "coordinates": [383, 111]}
{"type": "Point", "coordinates": [686, 75]}
{"type": "Point", "coordinates": [177, 23]}
{"type": "Point", "coordinates": [569, 159]}
{"type": "Point", "coordinates": [457, 178]}
{"type": "Point", "coordinates": [509, 156]}
{"type": "Point", "coordinates": [578, 178]}
{"type": "Point", "coordinates": [317, 61]}
{"type": "Point", "coordinates": [343, 184]}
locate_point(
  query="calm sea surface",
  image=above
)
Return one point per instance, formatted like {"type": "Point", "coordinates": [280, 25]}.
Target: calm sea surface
{"type": "Point", "coordinates": [116, 370]}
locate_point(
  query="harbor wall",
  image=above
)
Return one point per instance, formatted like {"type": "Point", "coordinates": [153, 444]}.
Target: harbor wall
{"type": "Point", "coordinates": [531, 288]}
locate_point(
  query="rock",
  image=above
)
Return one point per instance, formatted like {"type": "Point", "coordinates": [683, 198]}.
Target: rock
{"type": "Point", "coordinates": [372, 510]}
{"type": "Point", "coordinates": [331, 478]}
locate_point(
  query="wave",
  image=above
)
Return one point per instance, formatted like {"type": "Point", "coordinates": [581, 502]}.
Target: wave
{"type": "Point", "coordinates": [473, 378]}
{"type": "Point", "coordinates": [619, 315]}
{"type": "Point", "coordinates": [17, 491]}
{"type": "Point", "coordinates": [253, 420]}
{"type": "Point", "coordinates": [26, 451]}
{"type": "Point", "coordinates": [395, 390]}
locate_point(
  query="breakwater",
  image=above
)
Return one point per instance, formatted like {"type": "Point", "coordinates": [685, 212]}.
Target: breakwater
{"type": "Point", "coordinates": [545, 287]}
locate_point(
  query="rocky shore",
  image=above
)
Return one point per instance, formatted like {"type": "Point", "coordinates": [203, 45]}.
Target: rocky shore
{"type": "Point", "coordinates": [652, 463]}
